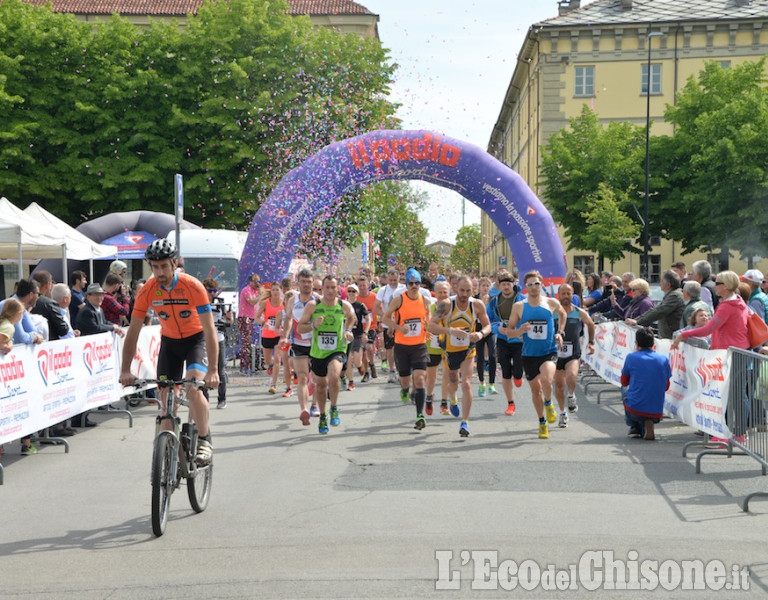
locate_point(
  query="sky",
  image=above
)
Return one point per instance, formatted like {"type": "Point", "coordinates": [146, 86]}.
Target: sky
{"type": "Point", "coordinates": [455, 61]}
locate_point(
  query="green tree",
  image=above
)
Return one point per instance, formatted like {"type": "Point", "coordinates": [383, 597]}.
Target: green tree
{"type": "Point", "coordinates": [713, 186]}
{"type": "Point", "coordinates": [607, 227]}
{"type": "Point", "coordinates": [465, 255]}
{"type": "Point", "coordinates": [97, 117]}
{"type": "Point", "coordinates": [575, 161]}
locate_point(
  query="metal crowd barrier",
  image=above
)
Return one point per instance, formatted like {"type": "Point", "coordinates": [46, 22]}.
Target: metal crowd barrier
{"type": "Point", "coordinates": [745, 414]}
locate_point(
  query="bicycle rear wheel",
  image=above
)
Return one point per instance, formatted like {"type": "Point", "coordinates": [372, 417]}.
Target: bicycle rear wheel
{"type": "Point", "coordinates": [162, 480]}
{"type": "Point", "coordinates": [199, 488]}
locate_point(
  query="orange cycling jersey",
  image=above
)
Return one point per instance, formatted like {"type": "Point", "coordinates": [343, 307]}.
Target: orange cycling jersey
{"type": "Point", "coordinates": [177, 307]}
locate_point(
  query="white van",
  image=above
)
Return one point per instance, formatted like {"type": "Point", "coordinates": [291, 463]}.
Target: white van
{"type": "Point", "coordinates": [213, 253]}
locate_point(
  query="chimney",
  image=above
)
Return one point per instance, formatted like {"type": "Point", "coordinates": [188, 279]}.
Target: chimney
{"type": "Point", "coordinates": [626, 4]}
{"type": "Point", "coordinates": [566, 6]}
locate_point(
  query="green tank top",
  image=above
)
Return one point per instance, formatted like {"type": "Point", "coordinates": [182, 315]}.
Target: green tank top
{"type": "Point", "coordinates": [329, 337]}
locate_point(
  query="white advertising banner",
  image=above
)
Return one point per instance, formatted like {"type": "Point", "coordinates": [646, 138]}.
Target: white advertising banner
{"type": "Point", "coordinates": [698, 390]}
{"type": "Point", "coordinates": [42, 385]}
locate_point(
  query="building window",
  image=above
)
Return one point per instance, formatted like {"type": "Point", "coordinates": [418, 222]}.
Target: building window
{"type": "Point", "coordinates": [655, 260]}
{"type": "Point", "coordinates": [655, 79]}
{"type": "Point", "coordinates": [726, 64]}
{"type": "Point", "coordinates": [585, 81]}
{"type": "Point", "coordinates": [654, 240]}
{"type": "Point", "coordinates": [584, 263]}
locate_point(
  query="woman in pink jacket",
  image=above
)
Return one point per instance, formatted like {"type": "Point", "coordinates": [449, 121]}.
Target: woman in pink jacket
{"type": "Point", "coordinates": [728, 327]}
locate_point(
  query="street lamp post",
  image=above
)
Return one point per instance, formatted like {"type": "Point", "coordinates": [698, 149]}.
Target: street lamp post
{"type": "Point", "coordinates": [646, 239]}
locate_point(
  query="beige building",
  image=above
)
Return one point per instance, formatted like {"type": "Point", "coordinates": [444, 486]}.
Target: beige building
{"type": "Point", "coordinates": [345, 15]}
{"type": "Point", "coordinates": [444, 250]}
{"type": "Point", "coordinates": [597, 54]}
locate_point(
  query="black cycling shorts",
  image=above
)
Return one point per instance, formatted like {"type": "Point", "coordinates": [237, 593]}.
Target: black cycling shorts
{"type": "Point", "coordinates": [410, 358]}
{"type": "Point", "coordinates": [175, 352]}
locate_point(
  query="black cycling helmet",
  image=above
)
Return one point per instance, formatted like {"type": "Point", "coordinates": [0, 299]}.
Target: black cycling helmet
{"type": "Point", "coordinates": [160, 250]}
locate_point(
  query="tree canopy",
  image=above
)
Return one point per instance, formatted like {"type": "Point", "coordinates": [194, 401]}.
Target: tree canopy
{"type": "Point", "coordinates": [713, 185]}
{"type": "Point", "coordinates": [465, 255]}
{"type": "Point", "coordinates": [97, 117]}
{"type": "Point", "coordinates": [577, 161]}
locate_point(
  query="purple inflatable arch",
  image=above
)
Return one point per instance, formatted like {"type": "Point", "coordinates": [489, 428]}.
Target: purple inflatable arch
{"type": "Point", "coordinates": [381, 155]}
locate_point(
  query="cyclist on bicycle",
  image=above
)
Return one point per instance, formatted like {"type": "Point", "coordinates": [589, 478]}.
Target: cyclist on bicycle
{"type": "Point", "coordinates": [188, 335]}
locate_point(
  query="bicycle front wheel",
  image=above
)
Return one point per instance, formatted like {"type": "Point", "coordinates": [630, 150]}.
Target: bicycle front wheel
{"type": "Point", "coordinates": [199, 488]}
{"type": "Point", "coordinates": [162, 480]}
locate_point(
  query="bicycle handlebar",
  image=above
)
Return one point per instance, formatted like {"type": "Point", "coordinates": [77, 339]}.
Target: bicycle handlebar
{"type": "Point", "coordinates": [166, 383]}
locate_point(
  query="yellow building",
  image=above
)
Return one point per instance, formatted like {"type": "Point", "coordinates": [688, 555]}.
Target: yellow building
{"type": "Point", "coordinates": [345, 15]}
{"type": "Point", "coordinates": [597, 54]}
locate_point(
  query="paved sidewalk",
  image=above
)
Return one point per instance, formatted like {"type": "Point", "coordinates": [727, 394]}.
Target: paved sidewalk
{"type": "Point", "coordinates": [374, 509]}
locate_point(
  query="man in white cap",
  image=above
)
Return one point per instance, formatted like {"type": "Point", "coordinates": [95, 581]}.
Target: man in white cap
{"type": "Point", "coordinates": [758, 300]}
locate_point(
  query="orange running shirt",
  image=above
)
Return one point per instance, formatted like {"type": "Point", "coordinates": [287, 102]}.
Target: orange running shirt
{"type": "Point", "coordinates": [369, 301]}
{"type": "Point", "coordinates": [177, 307]}
{"type": "Point", "coordinates": [414, 315]}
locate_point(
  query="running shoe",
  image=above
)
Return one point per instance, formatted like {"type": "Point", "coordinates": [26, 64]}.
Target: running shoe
{"type": "Point", "coordinates": [222, 404]}
{"type": "Point", "coordinates": [204, 454]}
{"type": "Point", "coordinates": [322, 426]}
{"type": "Point", "coordinates": [365, 378]}
{"type": "Point", "coordinates": [335, 420]}
{"type": "Point", "coordinates": [551, 413]}
{"type": "Point", "coordinates": [572, 406]}
{"type": "Point", "coordinates": [272, 389]}
{"type": "Point", "coordinates": [563, 420]}
{"type": "Point", "coordinates": [455, 411]}
{"type": "Point", "coordinates": [295, 378]}
{"type": "Point", "coordinates": [510, 409]}
{"type": "Point", "coordinates": [392, 378]}
{"type": "Point", "coordinates": [360, 370]}
{"type": "Point", "coordinates": [384, 365]}
{"type": "Point", "coordinates": [635, 432]}
{"type": "Point", "coordinates": [429, 408]}
{"type": "Point", "coordinates": [27, 450]}
{"type": "Point", "coordinates": [405, 396]}
{"type": "Point", "coordinates": [444, 408]}
{"type": "Point", "coordinates": [269, 370]}
{"type": "Point", "coordinates": [492, 389]}
{"type": "Point", "coordinates": [481, 391]}
{"type": "Point", "coordinates": [304, 417]}
{"type": "Point", "coordinates": [421, 423]}
{"type": "Point", "coordinates": [543, 431]}
{"type": "Point", "coordinates": [314, 411]}
{"type": "Point", "coordinates": [288, 392]}
{"type": "Point", "coordinates": [350, 386]}
{"type": "Point", "coordinates": [464, 429]}
{"type": "Point", "coordinates": [518, 382]}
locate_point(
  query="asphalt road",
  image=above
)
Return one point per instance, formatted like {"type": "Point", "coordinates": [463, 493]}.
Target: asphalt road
{"type": "Point", "coordinates": [375, 509]}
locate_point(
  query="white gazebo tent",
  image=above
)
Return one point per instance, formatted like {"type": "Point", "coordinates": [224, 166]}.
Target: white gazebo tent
{"type": "Point", "coordinates": [79, 246]}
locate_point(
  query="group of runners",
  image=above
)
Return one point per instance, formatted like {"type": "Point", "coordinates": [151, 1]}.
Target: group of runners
{"type": "Point", "coordinates": [329, 339]}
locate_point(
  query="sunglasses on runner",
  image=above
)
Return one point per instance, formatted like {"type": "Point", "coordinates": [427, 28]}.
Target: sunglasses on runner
{"type": "Point", "coordinates": [531, 284]}
{"type": "Point", "coordinates": [416, 283]}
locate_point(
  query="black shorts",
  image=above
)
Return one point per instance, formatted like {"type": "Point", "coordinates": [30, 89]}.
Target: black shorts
{"type": "Point", "coordinates": [269, 343]}
{"type": "Point", "coordinates": [298, 351]}
{"type": "Point", "coordinates": [357, 343]}
{"type": "Point", "coordinates": [410, 358]}
{"type": "Point", "coordinates": [435, 359]}
{"type": "Point", "coordinates": [561, 362]}
{"type": "Point", "coordinates": [510, 358]}
{"type": "Point", "coordinates": [372, 333]}
{"type": "Point", "coordinates": [454, 359]}
{"type": "Point", "coordinates": [532, 364]}
{"type": "Point", "coordinates": [175, 352]}
{"type": "Point", "coordinates": [319, 366]}
{"type": "Point", "coordinates": [389, 342]}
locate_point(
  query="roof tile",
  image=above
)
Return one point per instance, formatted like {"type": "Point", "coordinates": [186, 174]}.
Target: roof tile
{"type": "Point", "coordinates": [610, 12]}
{"type": "Point", "coordinates": [184, 7]}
